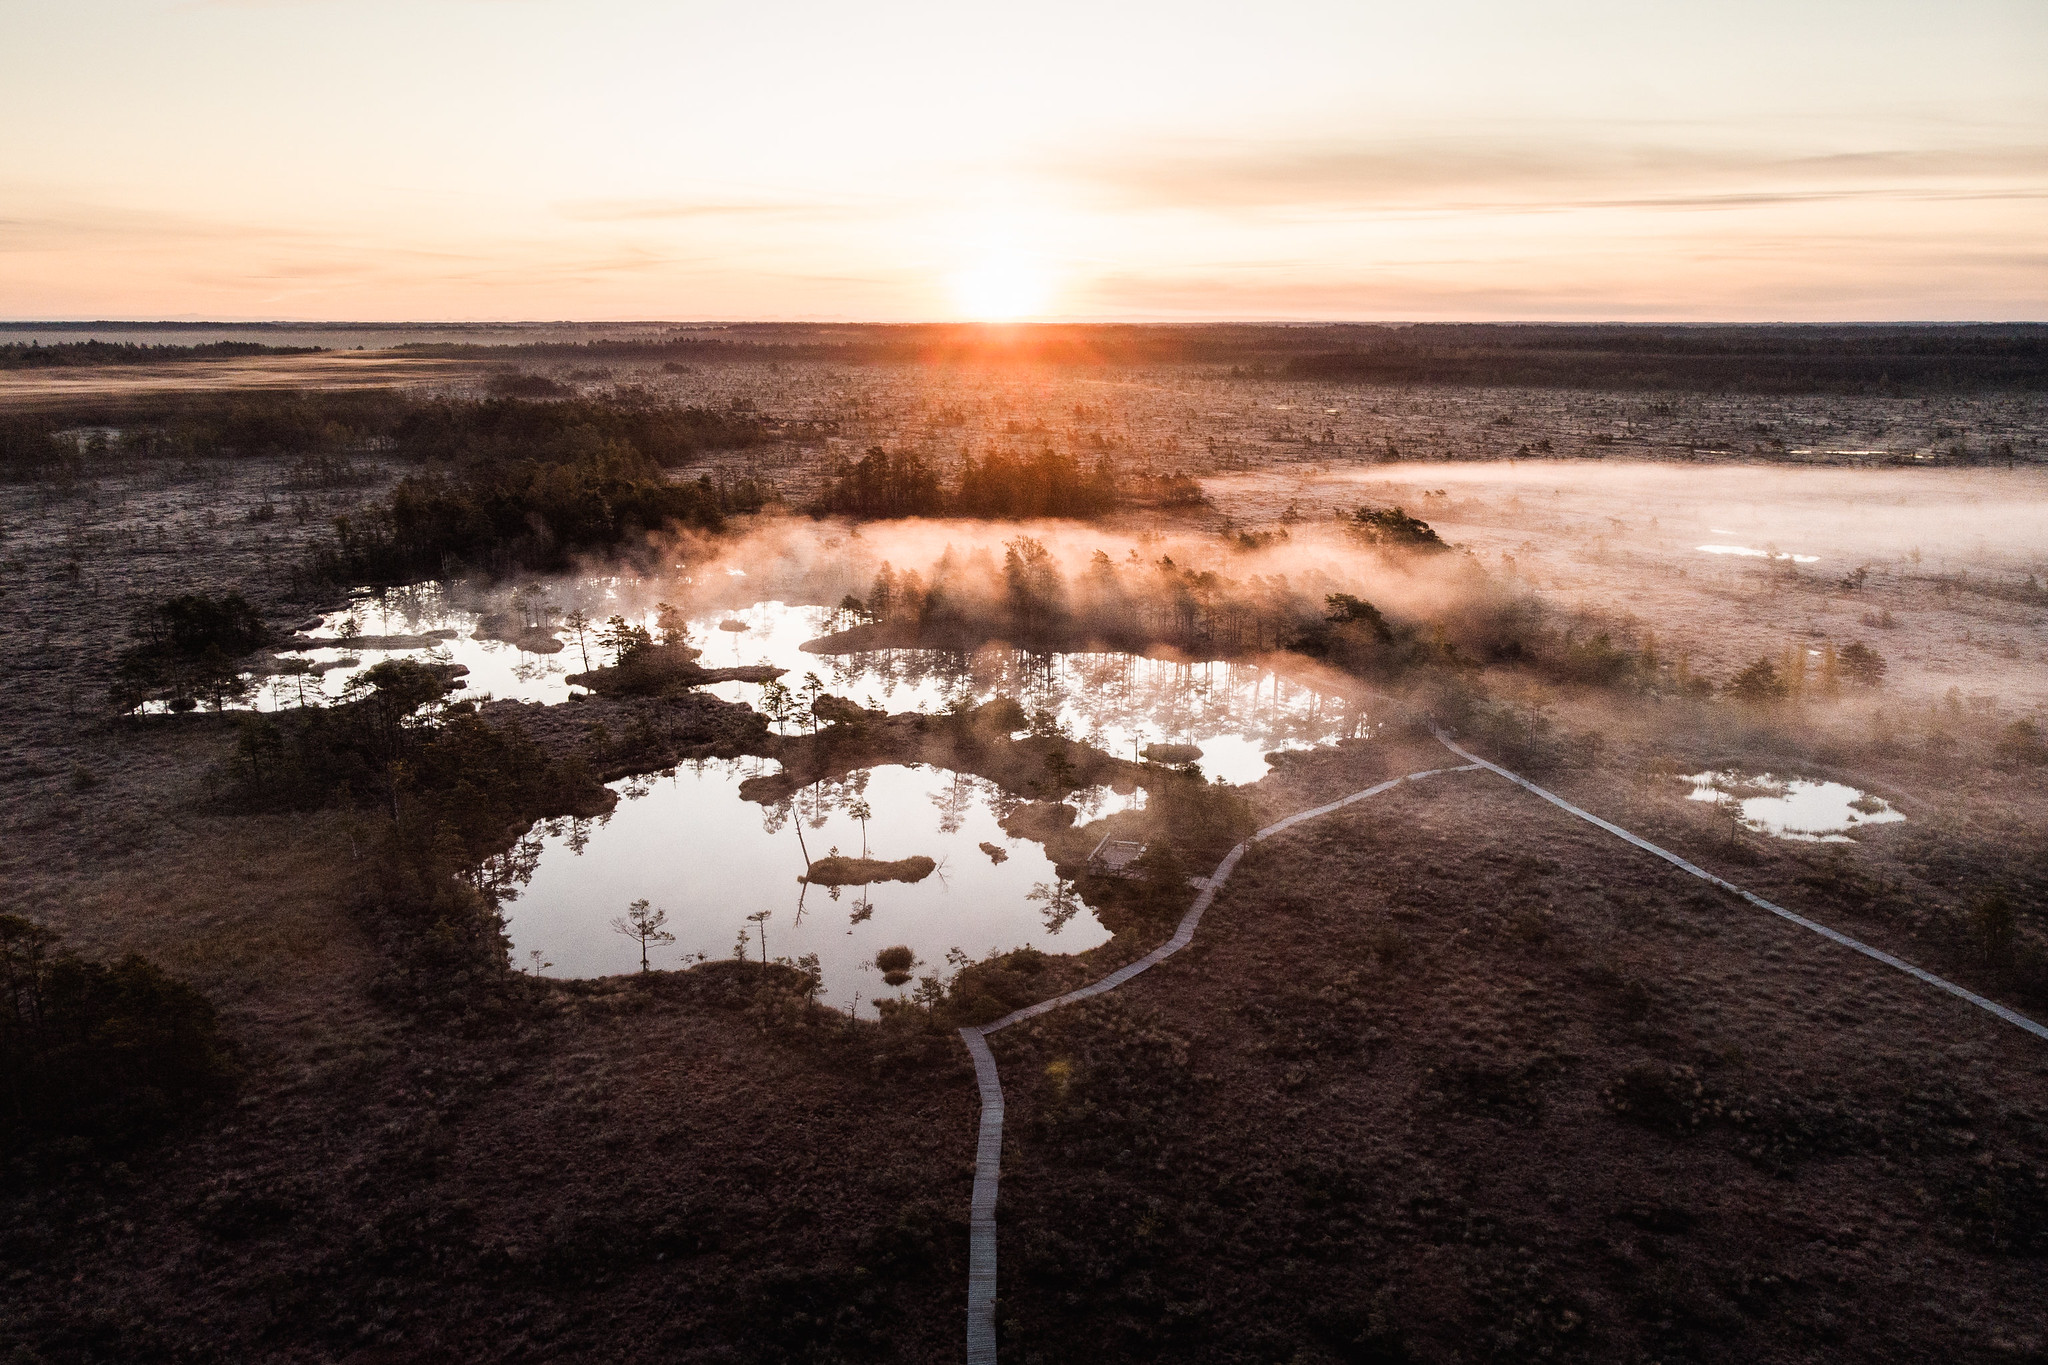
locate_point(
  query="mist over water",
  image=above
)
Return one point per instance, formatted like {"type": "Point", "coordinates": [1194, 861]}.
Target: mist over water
{"type": "Point", "coordinates": [1236, 713]}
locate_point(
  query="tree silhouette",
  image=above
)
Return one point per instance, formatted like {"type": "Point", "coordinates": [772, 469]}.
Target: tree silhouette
{"type": "Point", "coordinates": [777, 703]}
{"type": "Point", "coordinates": [577, 623]}
{"type": "Point", "coordinates": [813, 688]}
{"type": "Point", "coordinates": [623, 639]}
{"type": "Point", "coordinates": [642, 924]}
{"type": "Point", "coordinates": [861, 810]}
{"type": "Point", "coordinates": [1760, 682]}
{"type": "Point", "coordinates": [1862, 665]}
{"type": "Point", "coordinates": [673, 627]}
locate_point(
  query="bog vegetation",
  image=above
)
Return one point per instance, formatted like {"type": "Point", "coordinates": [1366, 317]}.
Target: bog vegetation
{"type": "Point", "coordinates": [429, 791]}
{"type": "Point", "coordinates": [189, 649]}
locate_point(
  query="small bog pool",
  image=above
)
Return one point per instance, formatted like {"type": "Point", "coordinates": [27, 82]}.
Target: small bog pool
{"type": "Point", "coordinates": [1802, 809]}
{"type": "Point", "coordinates": [725, 870]}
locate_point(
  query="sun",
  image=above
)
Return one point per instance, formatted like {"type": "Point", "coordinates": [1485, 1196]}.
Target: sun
{"type": "Point", "coordinates": [1002, 283]}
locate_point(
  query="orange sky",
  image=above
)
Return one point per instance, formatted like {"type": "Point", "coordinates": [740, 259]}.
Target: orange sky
{"type": "Point", "coordinates": [500, 159]}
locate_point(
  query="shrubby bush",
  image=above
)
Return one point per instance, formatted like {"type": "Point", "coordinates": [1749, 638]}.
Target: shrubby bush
{"type": "Point", "coordinates": [1393, 528]}
{"type": "Point", "coordinates": [97, 1056]}
{"type": "Point", "coordinates": [503, 516]}
{"type": "Point", "coordinates": [1051, 483]}
{"type": "Point", "coordinates": [189, 647]}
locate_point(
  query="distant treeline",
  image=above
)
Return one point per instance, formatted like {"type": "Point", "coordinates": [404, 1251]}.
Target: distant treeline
{"type": "Point", "coordinates": [1711, 358]}
{"type": "Point", "coordinates": [1656, 356]}
{"type": "Point", "coordinates": [65, 354]}
{"type": "Point", "coordinates": [855, 343]}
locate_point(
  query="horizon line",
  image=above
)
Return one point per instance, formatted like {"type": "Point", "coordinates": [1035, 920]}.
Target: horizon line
{"type": "Point", "coordinates": [1112, 321]}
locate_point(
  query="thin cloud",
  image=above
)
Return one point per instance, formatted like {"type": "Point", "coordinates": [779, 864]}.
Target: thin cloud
{"type": "Point", "coordinates": [1508, 176]}
{"type": "Point", "coordinates": [668, 210]}
{"type": "Point", "coordinates": [62, 226]}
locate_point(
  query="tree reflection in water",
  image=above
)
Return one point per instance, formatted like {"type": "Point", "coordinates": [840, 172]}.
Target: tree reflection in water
{"type": "Point", "coordinates": [1060, 900]}
{"type": "Point", "coordinates": [1117, 702]}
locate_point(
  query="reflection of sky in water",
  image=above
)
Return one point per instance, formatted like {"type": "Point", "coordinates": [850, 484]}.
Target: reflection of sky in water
{"type": "Point", "coordinates": [496, 668]}
{"type": "Point", "coordinates": [689, 844]}
{"type": "Point", "coordinates": [1235, 713]}
{"type": "Point", "coordinates": [1794, 808]}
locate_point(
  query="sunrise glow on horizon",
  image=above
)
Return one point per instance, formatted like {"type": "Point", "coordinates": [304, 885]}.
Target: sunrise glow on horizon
{"type": "Point", "coordinates": [535, 159]}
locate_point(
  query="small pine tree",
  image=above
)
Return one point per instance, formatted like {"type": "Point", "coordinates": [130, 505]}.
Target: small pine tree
{"type": "Point", "coordinates": [577, 623]}
{"type": "Point", "coordinates": [623, 639]}
{"type": "Point", "coordinates": [670, 626]}
{"type": "Point", "coordinates": [882, 594]}
{"type": "Point", "coordinates": [1863, 665]}
{"type": "Point", "coordinates": [642, 923]}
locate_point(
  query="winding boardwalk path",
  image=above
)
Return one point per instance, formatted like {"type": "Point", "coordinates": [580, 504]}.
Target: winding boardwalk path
{"type": "Point", "coordinates": [988, 1152]}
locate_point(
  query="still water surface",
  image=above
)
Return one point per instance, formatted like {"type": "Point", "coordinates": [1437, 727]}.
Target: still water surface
{"type": "Point", "coordinates": [1235, 713]}
{"type": "Point", "coordinates": [726, 870]}
{"type": "Point", "coordinates": [1801, 809]}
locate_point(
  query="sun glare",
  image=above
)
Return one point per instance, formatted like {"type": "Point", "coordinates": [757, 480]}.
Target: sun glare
{"type": "Point", "coordinates": [1002, 284]}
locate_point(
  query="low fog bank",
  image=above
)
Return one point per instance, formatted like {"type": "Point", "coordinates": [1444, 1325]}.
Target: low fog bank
{"type": "Point", "coordinates": [980, 561]}
{"type": "Point", "coordinates": [1981, 518]}
{"type": "Point", "coordinates": [1942, 572]}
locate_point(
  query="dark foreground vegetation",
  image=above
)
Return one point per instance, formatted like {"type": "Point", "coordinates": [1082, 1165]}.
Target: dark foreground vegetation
{"type": "Point", "coordinates": [1599, 1116]}
{"type": "Point", "coordinates": [95, 1059]}
{"type": "Point", "coordinates": [1371, 1117]}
